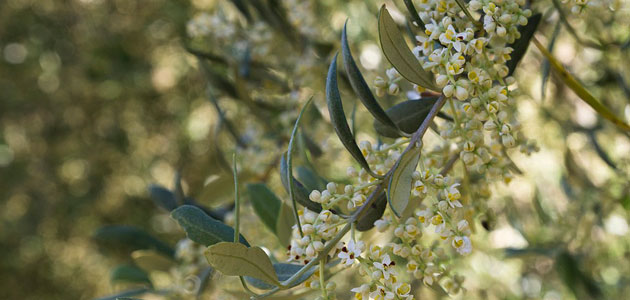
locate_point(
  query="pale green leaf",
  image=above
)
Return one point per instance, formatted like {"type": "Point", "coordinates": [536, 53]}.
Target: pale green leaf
{"type": "Point", "coordinates": [398, 54]}
{"type": "Point", "coordinates": [284, 224]}
{"type": "Point", "coordinates": [150, 260]}
{"type": "Point", "coordinates": [584, 94]}
{"type": "Point", "coordinates": [236, 259]}
{"type": "Point", "coordinates": [401, 182]}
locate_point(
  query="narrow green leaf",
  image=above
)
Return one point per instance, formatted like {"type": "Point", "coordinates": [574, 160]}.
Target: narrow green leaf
{"type": "Point", "coordinates": [462, 6]}
{"type": "Point", "coordinates": [584, 94]}
{"type": "Point", "coordinates": [284, 224]}
{"type": "Point", "coordinates": [162, 197]}
{"type": "Point", "coordinates": [235, 259]}
{"type": "Point", "coordinates": [129, 274]}
{"type": "Point", "coordinates": [265, 204]}
{"type": "Point", "coordinates": [284, 272]}
{"type": "Point", "coordinates": [546, 67]}
{"type": "Point", "coordinates": [374, 212]}
{"type": "Point", "coordinates": [289, 169]}
{"type": "Point", "coordinates": [311, 180]}
{"type": "Point", "coordinates": [358, 83]}
{"type": "Point", "coordinates": [150, 260]}
{"type": "Point", "coordinates": [118, 237]}
{"type": "Point", "coordinates": [408, 116]}
{"type": "Point", "coordinates": [338, 117]}
{"type": "Point", "coordinates": [203, 229]}
{"type": "Point", "coordinates": [414, 14]}
{"type": "Point", "coordinates": [520, 45]}
{"type": "Point", "coordinates": [401, 182]}
{"type": "Point", "coordinates": [398, 54]}
{"type": "Point", "coordinates": [301, 193]}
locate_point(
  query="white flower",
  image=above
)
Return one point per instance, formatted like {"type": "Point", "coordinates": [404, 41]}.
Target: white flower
{"type": "Point", "coordinates": [381, 294]}
{"type": "Point", "coordinates": [384, 265]}
{"type": "Point", "coordinates": [350, 252]}
{"type": "Point", "coordinates": [462, 244]}
{"type": "Point", "coordinates": [361, 292]}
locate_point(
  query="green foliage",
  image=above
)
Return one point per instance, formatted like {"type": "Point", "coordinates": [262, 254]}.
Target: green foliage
{"type": "Point", "coordinates": [271, 211]}
{"type": "Point", "coordinates": [408, 115]}
{"type": "Point", "coordinates": [129, 274]}
{"type": "Point", "coordinates": [202, 228]}
{"type": "Point", "coordinates": [359, 86]}
{"type": "Point", "coordinates": [236, 259]}
{"type": "Point", "coordinates": [284, 272]}
{"type": "Point", "coordinates": [118, 237]}
{"type": "Point", "coordinates": [398, 54]}
{"type": "Point", "coordinates": [338, 117]}
{"type": "Point", "coordinates": [401, 182]}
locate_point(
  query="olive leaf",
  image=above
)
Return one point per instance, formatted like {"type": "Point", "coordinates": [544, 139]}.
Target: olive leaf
{"type": "Point", "coordinates": [202, 228]}
{"type": "Point", "coordinates": [338, 117]}
{"type": "Point", "coordinates": [520, 45]}
{"type": "Point", "coordinates": [373, 213]}
{"type": "Point", "coordinates": [149, 260]}
{"type": "Point", "coordinates": [401, 182]}
{"type": "Point", "coordinates": [310, 179]}
{"type": "Point", "coordinates": [119, 237]}
{"type": "Point", "coordinates": [129, 274]}
{"type": "Point", "coordinates": [236, 259]}
{"type": "Point", "coordinates": [162, 197]}
{"type": "Point", "coordinates": [289, 169]}
{"type": "Point", "coordinates": [408, 116]}
{"type": "Point", "coordinates": [284, 272]}
{"type": "Point", "coordinates": [414, 14]}
{"type": "Point", "coordinates": [398, 54]}
{"type": "Point", "coordinates": [546, 67]}
{"type": "Point", "coordinates": [284, 224]}
{"type": "Point", "coordinates": [578, 89]}
{"type": "Point", "coordinates": [300, 192]}
{"type": "Point", "coordinates": [358, 83]}
{"type": "Point", "coordinates": [270, 210]}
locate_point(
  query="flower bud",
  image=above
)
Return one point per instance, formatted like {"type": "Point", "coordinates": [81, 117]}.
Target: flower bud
{"type": "Point", "coordinates": [315, 196]}
{"type": "Point", "coordinates": [448, 90]}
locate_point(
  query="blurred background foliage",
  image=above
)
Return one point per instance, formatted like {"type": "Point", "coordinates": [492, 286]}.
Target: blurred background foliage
{"type": "Point", "coordinates": [99, 99]}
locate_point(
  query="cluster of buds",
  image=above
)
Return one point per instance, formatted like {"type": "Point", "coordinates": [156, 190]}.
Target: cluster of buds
{"type": "Point", "coordinates": [316, 230]}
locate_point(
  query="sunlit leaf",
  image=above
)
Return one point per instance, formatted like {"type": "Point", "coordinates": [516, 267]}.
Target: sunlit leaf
{"type": "Point", "coordinates": [579, 90]}
{"type": "Point", "coordinates": [408, 116]}
{"type": "Point", "coordinates": [520, 45]}
{"type": "Point", "coordinates": [284, 272]}
{"type": "Point", "coordinates": [236, 259]}
{"type": "Point", "coordinates": [401, 182]}
{"type": "Point", "coordinates": [398, 54]}
{"type": "Point", "coordinates": [338, 117]}
{"type": "Point", "coordinates": [358, 83]}
{"type": "Point", "coordinates": [203, 229]}
{"type": "Point", "coordinates": [150, 260]}
{"type": "Point", "coordinates": [126, 237]}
